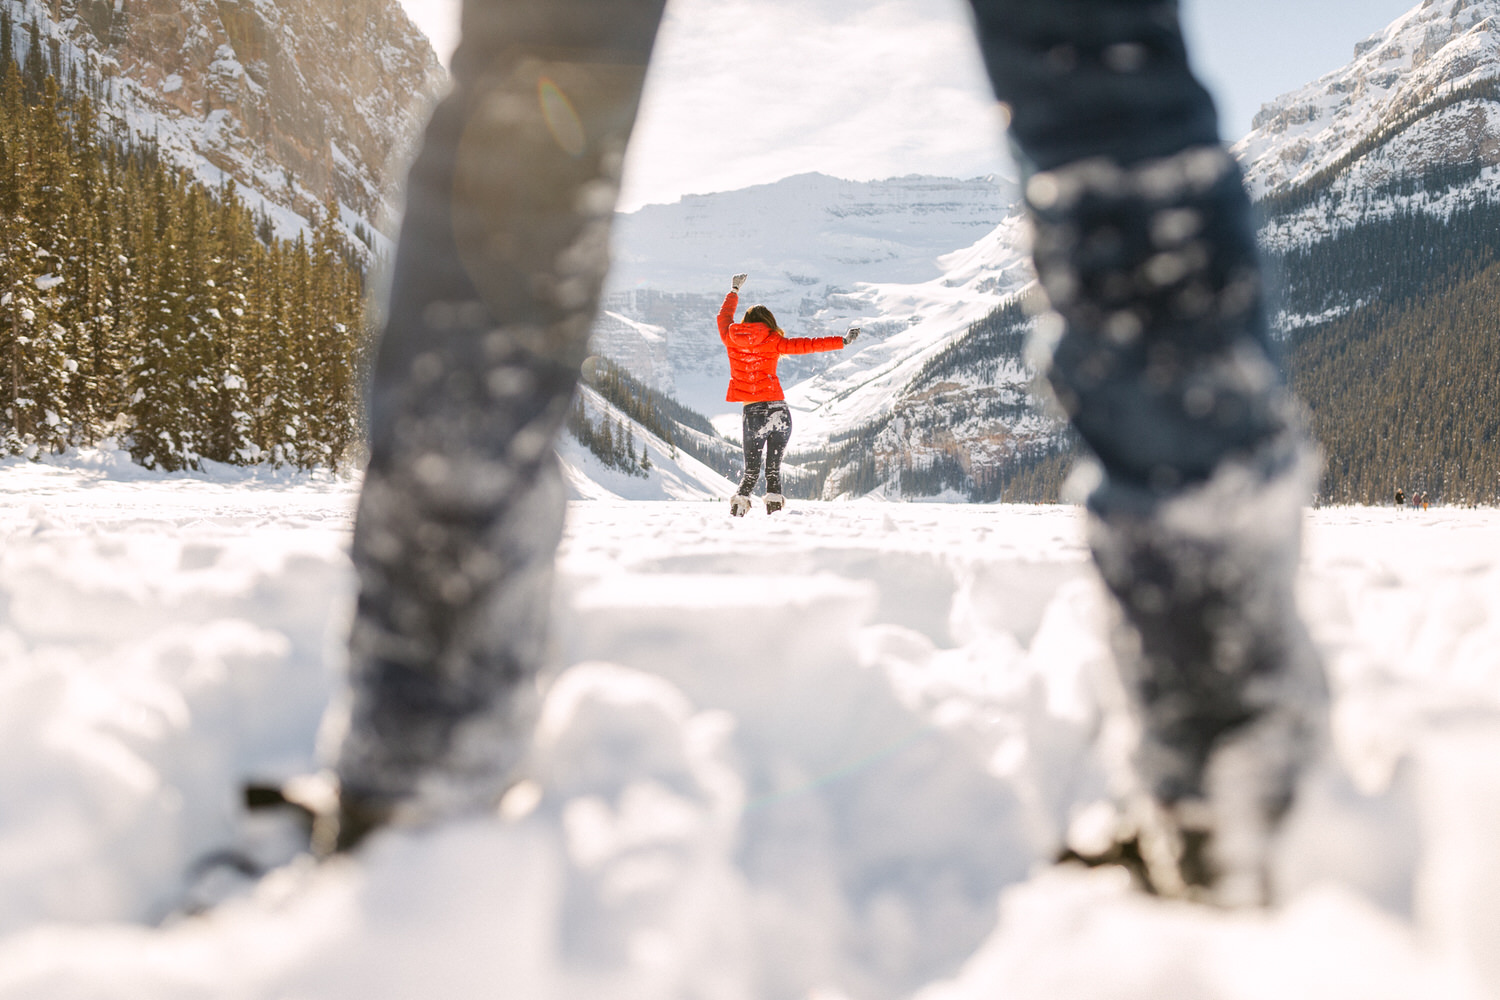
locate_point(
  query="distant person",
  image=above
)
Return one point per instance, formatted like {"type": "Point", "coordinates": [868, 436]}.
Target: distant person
{"type": "Point", "coordinates": [1158, 349]}
{"type": "Point", "coordinates": [755, 344]}
{"type": "Point", "coordinates": [1400, 498]}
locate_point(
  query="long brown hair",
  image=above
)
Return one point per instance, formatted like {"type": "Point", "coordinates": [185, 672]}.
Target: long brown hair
{"type": "Point", "coordinates": [760, 314]}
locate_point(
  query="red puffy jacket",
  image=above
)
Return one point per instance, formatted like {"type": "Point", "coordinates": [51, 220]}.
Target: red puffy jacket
{"type": "Point", "coordinates": [754, 349]}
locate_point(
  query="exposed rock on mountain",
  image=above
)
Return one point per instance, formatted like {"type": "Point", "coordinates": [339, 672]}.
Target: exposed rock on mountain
{"type": "Point", "coordinates": [1412, 123]}
{"type": "Point", "coordinates": [295, 100]}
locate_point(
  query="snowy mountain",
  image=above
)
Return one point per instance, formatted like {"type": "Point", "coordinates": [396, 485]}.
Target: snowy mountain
{"type": "Point", "coordinates": [1412, 123]}
{"type": "Point", "coordinates": [912, 260]}
{"type": "Point", "coordinates": [919, 263]}
{"type": "Point", "coordinates": [295, 101]}
{"type": "Point", "coordinates": [1379, 187]}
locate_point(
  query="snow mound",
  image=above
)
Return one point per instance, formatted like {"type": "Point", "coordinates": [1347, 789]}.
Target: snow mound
{"type": "Point", "coordinates": [823, 754]}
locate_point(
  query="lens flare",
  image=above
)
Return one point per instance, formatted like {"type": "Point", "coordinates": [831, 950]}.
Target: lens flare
{"type": "Point", "coordinates": [562, 120]}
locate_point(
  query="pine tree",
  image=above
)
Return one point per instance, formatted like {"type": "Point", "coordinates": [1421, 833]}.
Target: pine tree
{"type": "Point", "coordinates": [36, 411]}
{"type": "Point", "coordinates": [230, 429]}
{"type": "Point", "coordinates": [158, 373]}
{"type": "Point", "coordinates": [335, 322]}
{"type": "Point", "coordinates": [606, 439]}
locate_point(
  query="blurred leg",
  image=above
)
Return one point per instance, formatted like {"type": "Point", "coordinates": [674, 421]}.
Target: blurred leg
{"type": "Point", "coordinates": [502, 253]}
{"type": "Point", "coordinates": [1160, 354]}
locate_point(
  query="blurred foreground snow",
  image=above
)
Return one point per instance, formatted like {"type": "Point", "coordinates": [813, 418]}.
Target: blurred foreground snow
{"type": "Point", "coordinates": [824, 755]}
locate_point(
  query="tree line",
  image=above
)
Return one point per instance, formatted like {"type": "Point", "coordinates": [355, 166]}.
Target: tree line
{"type": "Point", "coordinates": [612, 441]}
{"type": "Point", "coordinates": [677, 426]}
{"type": "Point", "coordinates": [1403, 394]}
{"type": "Point", "coordinates": [139, 304]}
{"type": "Point", "coordinates": [1400, 383]}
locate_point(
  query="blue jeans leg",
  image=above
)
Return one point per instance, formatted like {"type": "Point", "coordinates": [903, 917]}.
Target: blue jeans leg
{"type": "Point", "coordinates": [1158, 350]}
{"type": "Point", "coordinates": [502, 253]}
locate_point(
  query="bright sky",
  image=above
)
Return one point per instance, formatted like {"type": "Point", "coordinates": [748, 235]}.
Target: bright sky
{"type": "Point", "coordinates": [746, 92]}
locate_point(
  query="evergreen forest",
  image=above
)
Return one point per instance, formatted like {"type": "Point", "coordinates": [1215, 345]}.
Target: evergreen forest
{"type": "Point", "coordinates": [613, 443]}
{"type": "Point", "coordinates": [138, 304]}
{"type": "Point", "coordinates": [1401, 383]}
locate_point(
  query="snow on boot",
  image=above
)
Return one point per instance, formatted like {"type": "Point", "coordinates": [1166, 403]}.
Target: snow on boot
{"type": "Point", "coordinates": [774, 502]}
{"type": "Point", "coordinates": [1217, 670]}
{"type": "Point", "coordinates": [739, 505]}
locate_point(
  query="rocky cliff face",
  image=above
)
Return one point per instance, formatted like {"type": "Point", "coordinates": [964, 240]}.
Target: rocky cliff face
{"type": "Point", "coordinates": [1411, 123]}
{"type": "Point", "coordinates": [295, 100]}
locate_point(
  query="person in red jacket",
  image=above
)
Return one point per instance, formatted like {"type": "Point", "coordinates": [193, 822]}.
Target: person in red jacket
{"type": "Point", "coordinates": [754, 345]}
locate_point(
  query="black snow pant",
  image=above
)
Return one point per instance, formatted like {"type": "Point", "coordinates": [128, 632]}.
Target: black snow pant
{"type": "Point", "coordinates": [1159, 354]}
{"type": "Point", "coordinates": [767, 428]}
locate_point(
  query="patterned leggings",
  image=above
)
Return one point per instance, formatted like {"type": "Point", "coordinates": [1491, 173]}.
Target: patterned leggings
{"type": "Point", "coordinates": [768, 427]}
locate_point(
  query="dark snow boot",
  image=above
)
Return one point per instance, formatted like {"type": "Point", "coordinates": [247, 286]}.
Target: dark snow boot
{"type": "Point", "coordinates": [276, 827]}
{"type": "Point", "coordinates": [332, 822]}
{"type": "Point", "coordinates": [739, 505]}
{"type": "Point", "coordinates": [774, 502]}
{"type": "Point", "coordinates": [1218, 672]}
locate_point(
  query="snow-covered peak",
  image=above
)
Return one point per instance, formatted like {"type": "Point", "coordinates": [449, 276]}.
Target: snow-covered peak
{"type": "Point", "coordinates": [1441, 58]}
{"type": "Point", "coordinates": [807, 231]}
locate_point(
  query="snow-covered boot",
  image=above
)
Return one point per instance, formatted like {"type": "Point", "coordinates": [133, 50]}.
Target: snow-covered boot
{"type": "Point", "coordinates": [774, 502]}
{"type": "Point", "coordinates": [739, 505]}
{"type": "Point", "coordinates": [1218, 672]}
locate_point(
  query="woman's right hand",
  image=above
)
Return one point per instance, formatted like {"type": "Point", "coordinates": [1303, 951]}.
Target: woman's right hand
{"type": "Point", "coordinates": [737, 281]}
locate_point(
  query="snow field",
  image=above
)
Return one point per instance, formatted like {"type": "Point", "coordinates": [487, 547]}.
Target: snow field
{"type": "Point", "coordinates": [157, 637]}
{"type": "Point", "coordinates": [822, 755]}
{"type": "Point", "coordinates": [872, 837]}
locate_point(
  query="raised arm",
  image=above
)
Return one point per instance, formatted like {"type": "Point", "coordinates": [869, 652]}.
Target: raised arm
{"type": "Point", "coordinates": [731, 302]}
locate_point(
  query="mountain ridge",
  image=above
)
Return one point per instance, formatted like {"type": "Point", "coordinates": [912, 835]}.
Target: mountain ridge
{"type": "Point", "coordinates": [1417, 108]}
